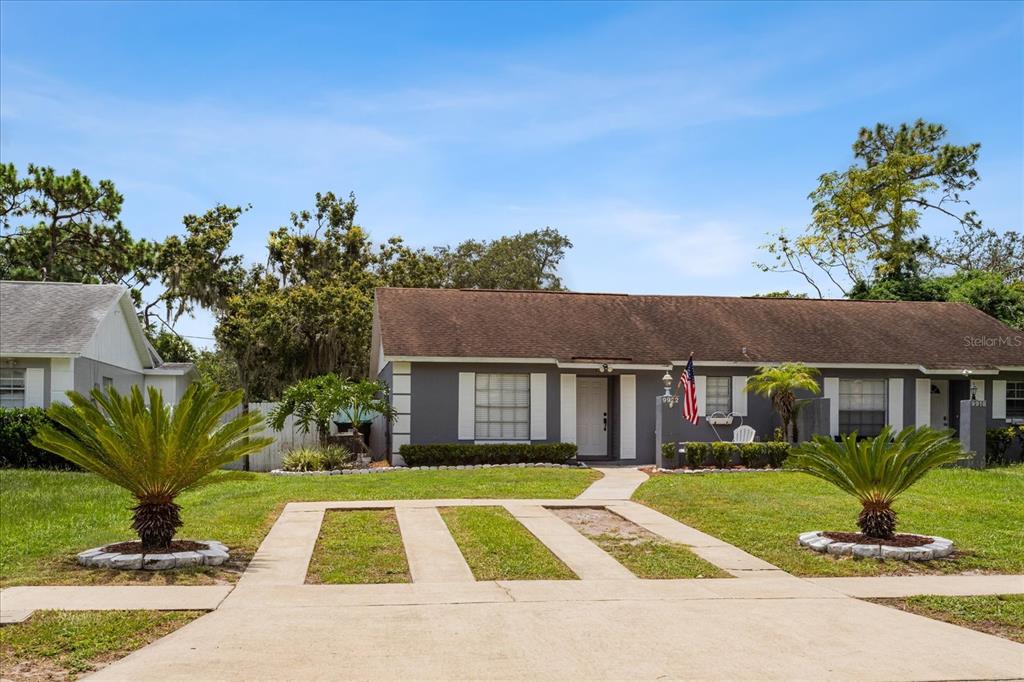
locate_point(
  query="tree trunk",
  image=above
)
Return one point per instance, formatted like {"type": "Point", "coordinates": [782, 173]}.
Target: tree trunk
{"type": "Point", "coordinates": [156, 523]}
{"type": "Point", "coordinates": [877, 520]}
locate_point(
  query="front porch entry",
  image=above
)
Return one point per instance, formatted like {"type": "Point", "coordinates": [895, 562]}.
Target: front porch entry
{"type": "Point", "coordinates": [592, 417]}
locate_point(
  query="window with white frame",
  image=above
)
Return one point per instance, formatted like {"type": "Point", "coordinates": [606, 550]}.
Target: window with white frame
{"type": "Point", "coordinates": [12, 387]}
{"type": "Point", "coordinates": [862, 404]}
{"type": "Point", "coordinates": [719, 395]}
{"type": "Point", "coordinates": [502, 406]}
{"type": "Point", "coordinates": [1015, 400]}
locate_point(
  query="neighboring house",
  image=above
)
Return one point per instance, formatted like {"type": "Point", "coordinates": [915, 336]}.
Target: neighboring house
{"type": "Point", "coordinates": [57, 337]}
{"type": "Point", "coordinates": [495, 366]}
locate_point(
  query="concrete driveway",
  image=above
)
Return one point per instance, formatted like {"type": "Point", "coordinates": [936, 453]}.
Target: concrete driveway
{"type": "Point", "coordinates": [762, 624]}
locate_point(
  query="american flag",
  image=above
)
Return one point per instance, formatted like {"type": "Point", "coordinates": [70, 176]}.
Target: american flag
{"type": "Point", "coordinates": [689, 384]}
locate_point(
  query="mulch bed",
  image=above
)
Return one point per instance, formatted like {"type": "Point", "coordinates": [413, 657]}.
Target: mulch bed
{"type": "Point", "coordinates": [899, 540]}
{"type": "Point", "coordinates": [136, 547]}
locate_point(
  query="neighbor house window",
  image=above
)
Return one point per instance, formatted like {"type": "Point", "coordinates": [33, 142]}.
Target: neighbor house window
{"type": "Point", "coordinates": [108, 382]}
{"type": "Point", "coordinates": [12, 387]}
{"type": "Point", "coordinates": [719, 395]}
{"type": "Point", "coordinates": [862, 406]}
{"type": "Point", "coordinates": [503, 406]}
{"type": "Point", "coordinates": [1015, 399]}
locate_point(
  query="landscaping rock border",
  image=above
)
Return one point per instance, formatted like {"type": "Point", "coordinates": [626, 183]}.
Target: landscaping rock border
{"type": "Point", "coordinates": [715, 470]}
{"type": "Point", "coordinates": [215, 554]}
{"type": "Point", "coordinates": [384, 470]}
{"type": "Point", "coordinates": [936, 549]}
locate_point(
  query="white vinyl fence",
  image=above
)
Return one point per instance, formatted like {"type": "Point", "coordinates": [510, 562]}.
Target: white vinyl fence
{"type": "Point", "coordinates": [287, 439]}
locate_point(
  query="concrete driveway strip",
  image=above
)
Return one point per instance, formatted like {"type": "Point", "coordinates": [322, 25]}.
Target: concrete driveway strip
{"type": "Point", "coordinates": [432, 553]}
{"type": "Point", "coordinates": [283, 557]}
{"type": "Point", "coordinates": [583, 557]}
{"type": "Point", "coordinates": [582, 639]}
{"type": "Point", "coordinates": [617, 483]}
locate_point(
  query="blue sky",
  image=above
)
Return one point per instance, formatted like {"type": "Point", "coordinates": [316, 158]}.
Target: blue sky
{"type": "Point", "coordinates": [665, 139]}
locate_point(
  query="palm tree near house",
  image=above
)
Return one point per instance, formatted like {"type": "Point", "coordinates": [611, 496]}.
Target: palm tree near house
{"type": "Point", "coordinates": [780, 383]}
{"type": "Point", "coordinates": [151, 449]}
{"type": "Point", "coordinates": [876, 470]}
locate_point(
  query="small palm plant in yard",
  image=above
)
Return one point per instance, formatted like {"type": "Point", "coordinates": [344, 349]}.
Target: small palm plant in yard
{"type": "Point", "coordinates": [876, 470]}
{"type": "Point", "coordinates": [151, 449]}
{"type": "Point", "coordinates": [780, 385]}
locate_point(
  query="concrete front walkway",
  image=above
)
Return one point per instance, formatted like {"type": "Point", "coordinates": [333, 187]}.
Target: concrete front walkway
{"type": "Point", "coordinates": [764, 624]}
{"type": "Point", "coordinates": [910, 585]}
{"type": "Point", "coordinates": [18, 603]}
{"type": "Point", "coordinates": [617, 483]}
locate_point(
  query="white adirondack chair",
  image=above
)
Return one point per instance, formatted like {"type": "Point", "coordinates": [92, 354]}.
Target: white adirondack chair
{"type": "Point", "coordinates": [743, 434]}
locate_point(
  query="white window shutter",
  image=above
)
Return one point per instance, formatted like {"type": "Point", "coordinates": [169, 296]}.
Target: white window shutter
{"type": "Point", "coordinates": [896, 404]}
{"type": "Point", "coordinates": [831, 392]}
{"type": "Point", "coordinates": [739, 396]}
{"type": "Point", "coordinates": [34, 387]}
{"type": "Point", "coordinates": [538, 406]}
{"type": "Point", "coordinates": [998, 399]}
{"type": "Point", "coordinates": [567, 408]}
{"type": "Point", "coordinates": [923, 402]}
{"type": "Point", "coordinates": [627, 416]}
{"type": "Point", "coordinates": [467, 405]}
{"type": "Point", "coordinates": [700, 384]}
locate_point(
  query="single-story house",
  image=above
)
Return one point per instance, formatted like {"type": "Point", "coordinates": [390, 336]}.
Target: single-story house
{"type": "Point", "coordinates": [476, 366]}
{"type": "Point", "coordinates": [57, 337]}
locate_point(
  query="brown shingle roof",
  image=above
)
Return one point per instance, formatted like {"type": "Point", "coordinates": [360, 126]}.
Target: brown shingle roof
{"type": "Point", "coordinates": [659, 329]}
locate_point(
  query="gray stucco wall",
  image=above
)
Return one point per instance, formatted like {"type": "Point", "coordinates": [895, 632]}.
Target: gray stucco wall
{"type": "Point", "coordinates": [434, 402]}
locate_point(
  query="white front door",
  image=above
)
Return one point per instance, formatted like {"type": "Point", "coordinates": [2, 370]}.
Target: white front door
{"type": "Point", "coordinates": [592, 416]}
{"type": "Point", "coordinates": [940, 404]}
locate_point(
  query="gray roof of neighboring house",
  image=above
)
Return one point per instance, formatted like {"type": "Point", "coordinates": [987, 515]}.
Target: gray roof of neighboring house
{"type": "Point", "coordinates": [52, 317]}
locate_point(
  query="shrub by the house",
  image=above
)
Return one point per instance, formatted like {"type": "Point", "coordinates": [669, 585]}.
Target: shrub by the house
{"type": "Point", "coordinates": [329, 458]}
{"type": "Point", "coordinates": [17, 426]}
{"type": "Point", "coordinates": [699, 455]}
{"type": "Point", "coordinates": [999, 443]}
{"type": "Point", "coordinates": [455, 454]}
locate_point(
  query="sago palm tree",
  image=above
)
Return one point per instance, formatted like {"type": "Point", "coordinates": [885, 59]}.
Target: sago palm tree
{"type": "Point", "coordinates": [151, 449]}
{"type": "Point", "coordinates": [780, 383]}
{"type": "Point", "coordinates": [876, 470]}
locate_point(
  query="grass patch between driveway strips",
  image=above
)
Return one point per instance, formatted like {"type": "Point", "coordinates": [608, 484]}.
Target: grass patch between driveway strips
{"type": "Point", "coordinates": [645, 554]}
{"type": "Point", "coordinates": [497, 547]}
{"type": "Point", "coordinates": [359, 546]}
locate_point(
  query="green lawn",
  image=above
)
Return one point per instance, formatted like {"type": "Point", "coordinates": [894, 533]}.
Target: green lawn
{"type": "Point", "coordinates": [764, 513]}
{"type": "Point", "coordinates": [50, 516]}
{"type": "Point", "coordinates": [497, 547]}
{"type": "Point", "coordinates": [1001, 615]}
{"type": "Point", "coordinates": [358, 547]}
{"type": "Point", "coordinates": [657, 558]}
{"type": "Point", "coordinates": [56, 645]}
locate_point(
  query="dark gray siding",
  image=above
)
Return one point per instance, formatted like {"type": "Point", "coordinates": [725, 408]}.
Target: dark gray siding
{"type": "Point", "coordinates": [435, 388]}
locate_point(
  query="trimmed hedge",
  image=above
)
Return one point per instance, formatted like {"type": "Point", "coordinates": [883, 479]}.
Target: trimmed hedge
{"type": "Point", "coordinates": [17, 426]}
{"type": "Point", "coordinates": [455, 454]}
{"type": "Point", "coordinates": [999, 443]}
{"type": "Point", "coordinates": [700, 455]}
